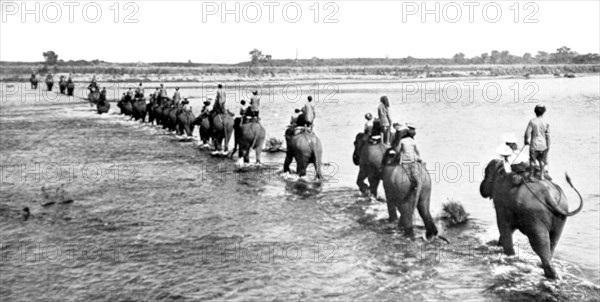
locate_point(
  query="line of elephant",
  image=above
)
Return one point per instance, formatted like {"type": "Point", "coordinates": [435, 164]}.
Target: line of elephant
{"type": "Point", "coordinates": [538, 209]}
{"type": "Point", "coordinates": [65, 87]}
{"type": "Point", "coordinates": [304, 146]}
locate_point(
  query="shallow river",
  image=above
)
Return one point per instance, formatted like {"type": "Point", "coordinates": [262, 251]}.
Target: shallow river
{"type": "Point", "coordinates": [179, 229]}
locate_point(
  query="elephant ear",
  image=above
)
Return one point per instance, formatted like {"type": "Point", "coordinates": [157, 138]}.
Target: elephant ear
{"type": "Point", "coordinates": [492, 170]}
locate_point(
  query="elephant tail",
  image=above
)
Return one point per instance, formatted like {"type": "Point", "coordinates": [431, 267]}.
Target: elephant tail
{"type": "Point", "coordinates": [580, 198]}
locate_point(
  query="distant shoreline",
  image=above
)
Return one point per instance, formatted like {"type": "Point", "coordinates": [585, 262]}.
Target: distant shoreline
{"type": "Point", "coordinates": [115, 73]}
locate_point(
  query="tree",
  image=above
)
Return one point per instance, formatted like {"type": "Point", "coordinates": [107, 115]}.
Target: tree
{"type": "Point", "coordinates": [563, 55]}
{"type": "Point", "coordinates": [505, 57]}
{"type": "Point", "coordinates": [542, 56]}
{"type": "Point", "coordinates": [495, 57]}
{"type": "Point", "coordinates": [527, 57]}
{"type": "Point", "coordinates": [485, 58]}
{"type": "Point", "coordinates": [459, 58]}
{"type": "Point", "coordinates": [50, 57]}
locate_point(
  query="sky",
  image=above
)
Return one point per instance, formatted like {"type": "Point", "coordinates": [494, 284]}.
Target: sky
{"type": "Point", "coordinates": [178, 31]}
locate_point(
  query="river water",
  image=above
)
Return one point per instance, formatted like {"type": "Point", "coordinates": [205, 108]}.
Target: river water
{"type": "Point", "coordinates": [180, 227]}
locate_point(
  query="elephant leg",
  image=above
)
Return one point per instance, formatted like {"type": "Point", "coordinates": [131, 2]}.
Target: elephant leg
{"type": "Point", "coordinates": [392, 213]}
{"type": "Point", "coordinates": [288, 161]}
{"type": "Point", "coordinates": [191, 129]}
{"type": "Point", "coordinates": [555, 236]}
{"type": "Point", "coordinates": [373, 185]}
{"type": "Point", "coordinates": [540, 243]}
{"type": "Point", "coordinates": [406, 217]}
{"type": "Point", "coordinates": [423, 207]}
{"type": "Point", "coordinates": [316, 159]}
{"type": "Point", "coordinates": [228, 133]}
{"type": "Point", "coordinates": [247, 155]}
{"type": "Point", "coordinates": [301, 165]}
{"type": "Point", "coordinates": [360, 181]}
{"type": "Point", "coordinates": [258, 151]}
{"type": "Point", "coordinates": [506, 230]}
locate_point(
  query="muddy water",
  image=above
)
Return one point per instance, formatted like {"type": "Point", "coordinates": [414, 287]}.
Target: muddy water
{"type": "Point", "coordinates": [165, 221]}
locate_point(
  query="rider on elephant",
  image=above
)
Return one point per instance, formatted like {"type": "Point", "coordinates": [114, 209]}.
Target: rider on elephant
{"type": "Point", "coordinates": [410, 158]}
{"type": "Point", "coordinates": [309, 113]}
{"type": "Point", "coordinates": [368, 124]}
{"type": "Point", "coordinates": [205, 111]}
{"type": "Point", "coordinates": [254, 104]}
{"type": "Point", "coordinates": [103, 94]}
{"type": "Point", "coordinates": [162, 93]}
{"type": "Point", "coordinates": [93, 86]}
{"type": "Point", "coordinates": [384, 117]}
{"type": "Point", "coordinates": [240, 115]}
{"type": "Point", "coordinates": [537, 136]}
{"type": "Point", "coordinates": [176, 97]}
{"type": "Point", "coordinates": [294, 118]}
{"type": "Point", "coordinates": [139, 91]}
{"type": "Point", "coordinates": [401, 132]}
{"type": "Point", "coordinates": [220, 99]}
{"type": "Point", "coordinates": [185, 105]}
{"type": "Point", "coordinates": [130, 93]}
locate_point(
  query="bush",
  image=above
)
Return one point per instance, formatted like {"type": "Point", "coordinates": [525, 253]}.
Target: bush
{"type": "Point", "coordinates": [455, 212]}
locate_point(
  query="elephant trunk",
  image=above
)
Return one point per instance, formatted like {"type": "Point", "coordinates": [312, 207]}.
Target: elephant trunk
{"type": "Point", "coordinates": [580, 198]}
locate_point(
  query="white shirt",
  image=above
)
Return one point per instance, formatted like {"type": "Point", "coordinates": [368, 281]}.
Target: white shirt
{"type": "Point", "coordinates": [242, 109]}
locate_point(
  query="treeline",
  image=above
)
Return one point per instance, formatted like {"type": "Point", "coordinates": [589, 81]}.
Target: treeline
{"type": "Point", "coordinates": [562, 55]}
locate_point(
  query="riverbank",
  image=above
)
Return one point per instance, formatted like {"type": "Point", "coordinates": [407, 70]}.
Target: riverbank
{"type": "Point", "coordinates": [148, 73]}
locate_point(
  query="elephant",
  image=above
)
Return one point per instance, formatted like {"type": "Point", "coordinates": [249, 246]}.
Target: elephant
{"type": "Point", "coordinates": [49, 84]}
{"type": "Point", "coordinates": [125, 105]}
{"type": "Point", "coordinates": [103, 106]}
{"type": "Point", "coordinates": [398, 192]}
{"type": "Point", "coordinates": [305, 147]}
{"type": "Point", "coordinates": [368, 157]}
{"type": "Point", "coordinates": [158, 113]}
{"type": "Point", "coordinates": [93, 97]}
{"type": "Point", "coordinates": [222, 129]}
{"type": "Point", "coordinates": [172, 118]}
{"type": "Point", "coordinates": [152, 109]}
{"type": "Point", "coordinates": [62, 85]}
{"type": "Point", "coordinates": [203, 123]}
{"type": "Point", "coordinates": [34, 81]}
{"type": "Point", "coordinates": [252, 136]}
{"type": "Point", "coordinates": [537, 209]}
{"type": "Point", "coordinates": [139, 109]}
{"type": "Point", "coordinates": [70, 88]}
{"type": "Point", "coordinates": [185, 122]}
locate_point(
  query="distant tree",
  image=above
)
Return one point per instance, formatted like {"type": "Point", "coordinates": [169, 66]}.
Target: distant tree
{"type": "Point", "coordinates": [459, 58]}
{"type": "Point", "coordinates": [495, 57]}
{"type": "Point", "coordinates": [485, 58]}
{"type": "Point", "coordinates": [505, 57]}
{"type": "Point", "coordinates": [542, 56]}
{"type": "Point", "coordinates": [527, 58]}
{"type": "Point", "coordinates": [587, 59]}
{"type": "Point", "coordinates": [563, 55]}
{"type": "Point", "coordinates": [50, 57]}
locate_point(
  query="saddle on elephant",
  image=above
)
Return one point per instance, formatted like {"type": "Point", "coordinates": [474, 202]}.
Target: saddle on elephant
{"type": "Point", "coordinates": [250, 119]}
{"type": "Point", "coordinates": [521, 173]}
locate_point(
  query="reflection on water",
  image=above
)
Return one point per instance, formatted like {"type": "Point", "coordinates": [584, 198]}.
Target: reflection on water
{"type": "Point", "coordinates": [183, 229]}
